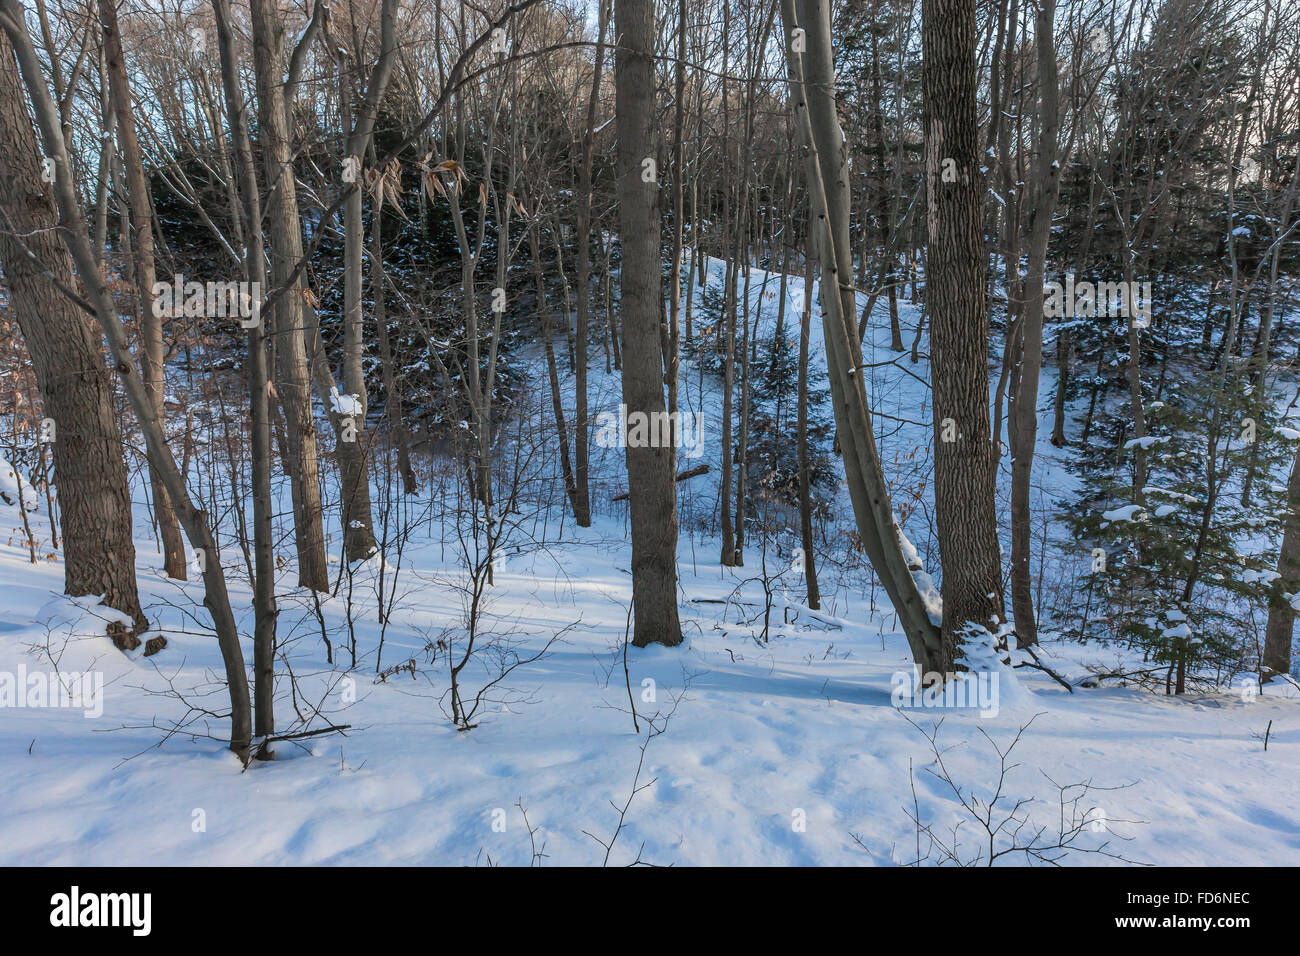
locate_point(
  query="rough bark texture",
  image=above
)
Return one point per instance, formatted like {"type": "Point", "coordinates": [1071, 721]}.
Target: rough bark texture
{"type": "Point", "coordinates": [264, 604]}
{"type": "Point", "coordinates": [653, 501]}
{"type": "Point", "coordinates": [582, 501]}
{"type": "Point", "coordinates": [76, 236]}
{"type": "Point", "coordinates": [358, 535]}
{"type": "Point", "coordinates": [813, 593]}
{"type": "Point", "coordinates": [959, 324]}
{"type": "Point", "coordinates": [89, 471]}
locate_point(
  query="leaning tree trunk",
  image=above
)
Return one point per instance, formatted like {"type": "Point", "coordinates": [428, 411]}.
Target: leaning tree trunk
{"type": "Point", "coordinates": [151, 337]}
{"type": "Point", "coordinates": [959, 323]}
{"type": "Point", "coordinates": [94, 496]}
{"type": "Point", "coordinates": [76, 237]}
{"type": "Point", "coordinates": [653, 497]}
{"type": "Point", "coordinates": [826, 170]}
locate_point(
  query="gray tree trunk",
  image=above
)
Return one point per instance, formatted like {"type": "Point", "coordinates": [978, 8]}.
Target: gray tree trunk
{"type": "Point", "coordinates": [293, 379]}
{"type": "Point", "coordinates": [1023, 427]}
{"type": "Point", "coordinates": [264, 604]}
{"type": "Point", "coordinates": [141, 212]}
{"type": "Point", "coordinates": [653, 501]}
{"type": "Point", "coordinates": [826, 171]}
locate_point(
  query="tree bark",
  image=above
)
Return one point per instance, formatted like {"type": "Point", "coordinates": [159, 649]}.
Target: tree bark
{"type": "Point", "coordinates": [582, 457]}
{"type": "Point", "coordinates": [358, 533]}
{"type": "Point", "coordinates": [287, 314]}
{"type": "Point", "coordinates": [653, 501]}
{"type": "Point", "coordinates": [67, 357]}
{"type": "Point", "coordinates": [826, 171]}
{"type": "Point", "coordinates": [1023, 428]}
{"type": "Point", "coordinates": [959, 326]}
{"type": "Point", "coordinates": [264, 604]}
{"type": "Point", "coordinates": [76, 237]}
{"type": "Point", "coordinates": [805, 485]}
{"type": "Point", "coordinates": [151, 337]}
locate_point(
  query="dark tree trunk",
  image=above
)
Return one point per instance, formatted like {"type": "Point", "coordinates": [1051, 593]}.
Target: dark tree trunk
{"type": "Point", "coordinates": [653, 501]}
{"type": "Point", "coordinates": [76, 236]}
{"type": "Point", "coordinates": [67, 357]}
{"type": "Point", "coordinates": [959, 324]}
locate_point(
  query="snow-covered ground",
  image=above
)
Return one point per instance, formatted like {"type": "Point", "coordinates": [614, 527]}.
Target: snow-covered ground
{"type": "Point", "coordinates": [788, 750]}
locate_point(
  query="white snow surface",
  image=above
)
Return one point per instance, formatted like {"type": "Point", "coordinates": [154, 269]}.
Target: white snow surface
{"type": "Point", "coordinates": [764, 733]}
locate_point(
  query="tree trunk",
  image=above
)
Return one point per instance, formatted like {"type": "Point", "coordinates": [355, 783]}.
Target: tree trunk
{"type": "Point", "coordinates": [67, 357]}
{"type": "Point", "coordinates": [287, 314]}
{"type": "Point", "coordinates": [151, 337]}
{"type": "Point", "coordinates": [392, 391]}
{"type": "Point", "coordinates": [582, 458]}
{"type": "Point", "coordinates": [653, 501]}
{"type": "Point", "coordinates": [1023, 428]}
{"type": "Point", "coordinates": [76, 236]}
{"type": "Point", "coordinates": [358, 533]}
{"type": "Point", "coordinates": [805, 485]}
{"type": "Point", "coordinates": [264, 604]}
{"type": "Point", "coordinates": [826, 172]}
{"type": "Point", "coordinates": [955, 299]}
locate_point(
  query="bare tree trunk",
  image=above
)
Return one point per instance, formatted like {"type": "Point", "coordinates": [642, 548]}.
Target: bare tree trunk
{"type": "Point", "coordinates": [358, 533]}
{"type": "Point", "coordinates": [672, 360]}
{"type": "Point", "coordinates": [955, 299]}
{"type": "Point", "coordinates": [76, 237]}
{"type": "Point", "coordinates": [805, 485]}
{"type": "Point", "coordinates": [1281, 615]}
{"type": "Point", "coordinates": [887, 257]}
{"type": "Point", "coordinates": [653, 501]}
{"type": "Point", "coordinates": [826, 170]}
{"type": "Point", "coordinates": [151, 337]}
{"type": "Point", "coordinates": [392, 391]}
{"type": "Point", "coordinates": [287, 314]}
{"type": "Point", "coordinates": [67, 357]}
{"type": "Point", "coordinates": [582, 458]}
{"type": "Point", "coordinates": [1023, 428]}
{"type": "Point", "coordinates": [552, 369]}
{"type": "Point", "coordinates": [728, 556]}
{"type": "Point", "coordinates": [259, 388]}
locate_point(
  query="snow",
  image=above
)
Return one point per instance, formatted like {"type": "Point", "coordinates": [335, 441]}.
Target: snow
{"type": "Point", "coordinates": [1145, 443]}
{"type": "Point", "coordinates": [763, 734]}
{"type": "Point", "coordinates": [1126, 513]}
{"type": "Point", "coordinates": [12, 485]}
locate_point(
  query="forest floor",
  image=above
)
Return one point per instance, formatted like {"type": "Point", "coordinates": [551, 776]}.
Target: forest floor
{"type": "Point", "coordinates": [776, 747]}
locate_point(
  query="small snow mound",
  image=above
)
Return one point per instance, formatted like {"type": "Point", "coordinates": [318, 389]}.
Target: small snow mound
{"type": "Point", "coordinates": [11, 482]}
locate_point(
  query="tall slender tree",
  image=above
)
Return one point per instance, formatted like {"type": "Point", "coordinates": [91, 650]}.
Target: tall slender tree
{"type": "Point", "coordinates": [653, 497]}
